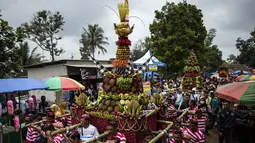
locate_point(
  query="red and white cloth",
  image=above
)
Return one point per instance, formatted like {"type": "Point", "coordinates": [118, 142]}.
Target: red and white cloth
{"type": "Point", "coordinates": [59, 138]}
{"type": "Point", "coordinates": [171, 112]}
{"type": "Point", "coordinates": [119, 136]}
{"type": "Point", "coordinates": [171, 140]}
{"type": "Point", "coordinates": [201, 122]}
{"type": "Point", "coordinates": [194, 137]}
{"type": "Point", "coordinates": [69, 120]}
{"type": "Point", "coordinates": [32, 135]}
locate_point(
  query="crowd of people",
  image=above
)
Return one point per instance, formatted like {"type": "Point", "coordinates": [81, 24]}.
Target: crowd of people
{"type": "Point", "coordinates": [205, 112]}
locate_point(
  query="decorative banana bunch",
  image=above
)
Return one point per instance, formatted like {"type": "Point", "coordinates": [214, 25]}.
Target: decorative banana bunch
{"type": "Point", "coordinates": [124, 83]}
{"type": "Point", "coordinates": [55, 108]}
{"type": "Point", "coordinates": [133, 108]}
{"type": "Point", "coordinates": [123, 29]}
{"type": "Point", "coordinates": [104, 115]}
{"type": "Point", "coordinates": [157, 99]}
{"type": "Point", "coordinates": [83, 101]}
{"type": "Point", "coordinates": [63, 106]}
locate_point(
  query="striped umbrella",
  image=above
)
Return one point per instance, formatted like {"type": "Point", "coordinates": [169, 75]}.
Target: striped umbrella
{"type": "Point", "coordinates": [247, 78]}
{"type": "Point", "coordinates": [240, 92]}
{"type": "Point", "coordinates": [62, 83]}
{"type": "Point", "coordinates": [240, 77]}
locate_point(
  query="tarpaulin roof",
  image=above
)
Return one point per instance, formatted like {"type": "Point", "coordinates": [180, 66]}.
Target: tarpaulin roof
{"type": "Point", "coordinates": [153, 60]}
{"type": "Point", "coordinates": [20, 84]}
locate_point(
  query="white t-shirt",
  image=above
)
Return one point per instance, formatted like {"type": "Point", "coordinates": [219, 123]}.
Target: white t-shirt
{"type": "Point", "coordinates": [178, 98]}
{"type": "Point", "coordinates": [195, 97]}
{"type": "Point", "coordinates": [88, 133]}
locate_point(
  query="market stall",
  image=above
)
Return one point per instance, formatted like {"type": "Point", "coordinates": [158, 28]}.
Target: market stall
{"type": "Point", "coordinates": [14, 133]}
{"type": "Point", "coordinates": [242, 93]}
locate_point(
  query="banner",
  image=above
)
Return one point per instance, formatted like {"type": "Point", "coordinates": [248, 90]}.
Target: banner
{"type": "Point", "coordinates": [88, 74]}
{"type": "Point", "coordinates": [153, 67]}
{"type": "Point", "coordinates": [147, 87]}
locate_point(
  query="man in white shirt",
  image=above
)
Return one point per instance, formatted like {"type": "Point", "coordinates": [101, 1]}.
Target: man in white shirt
{"type": "Point", "coordinates": [179, 97]}
{"type": "Point", "coordinates": [194, 96]}
{"type": "Point", "coordinates": [87, 131]}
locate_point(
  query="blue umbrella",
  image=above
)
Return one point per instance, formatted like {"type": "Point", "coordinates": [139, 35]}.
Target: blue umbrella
{"type": "Point", "coordinates": [20, 84]}
{"type": "Point", "coordinates": [244, 72]}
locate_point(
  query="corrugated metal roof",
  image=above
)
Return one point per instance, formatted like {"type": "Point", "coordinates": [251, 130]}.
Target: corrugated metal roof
{"type": "Point", "coordinates": [88, 66]}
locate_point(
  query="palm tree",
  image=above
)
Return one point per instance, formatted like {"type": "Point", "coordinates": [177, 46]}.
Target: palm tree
{"type": "Point", "coordinates": [27, 58]}
{"type": "Point", "coordinates": [92, 39]}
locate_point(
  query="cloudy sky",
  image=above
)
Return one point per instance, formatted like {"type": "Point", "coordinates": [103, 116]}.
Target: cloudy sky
{"type": "Point", "coordinates": [231, 19]}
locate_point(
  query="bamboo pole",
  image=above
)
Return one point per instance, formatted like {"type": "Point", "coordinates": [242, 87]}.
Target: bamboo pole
{"type": "Point", "coordinates": [161, 134]}
{"type": "Point", "coordinates": [65, 129]}
{"type": "Point", "coordinates": [98, 137]}
{"type": "Point", "coordinates": [184, 113]}
{"type": "Point", "coordinates": [165, 122]}
{"type": "Point", "coordinates": [64, 115]}
{"type": "Point", "coordinates": [152, 112]}
{"type": "Point", "coordinates": [39, 122]}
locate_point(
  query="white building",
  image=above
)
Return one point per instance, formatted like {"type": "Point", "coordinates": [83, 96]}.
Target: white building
{"type": "Point", "coordinates": [64, 68]}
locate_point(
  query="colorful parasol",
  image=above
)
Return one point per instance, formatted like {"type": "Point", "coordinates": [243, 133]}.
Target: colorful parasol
{"type": "Point", "coordinates": [241, 92]}
{"type": "Point", "coordinates": [245, 78]}
{"type": "Point", "coordinates": [239, 77]}
{"type": "Point", "coordinates": [62, 83]}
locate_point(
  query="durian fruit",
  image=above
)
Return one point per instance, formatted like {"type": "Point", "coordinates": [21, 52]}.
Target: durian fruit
{"type": "Point", "coordinates": [109, 109]}
{"type": "Point", "coordinates": [108, 102]}
{"type": "Point", "coordinates": [113, 103]}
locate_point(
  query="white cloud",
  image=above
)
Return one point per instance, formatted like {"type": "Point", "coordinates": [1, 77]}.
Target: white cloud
{"type": "Point", "coordinates": [231, 18]}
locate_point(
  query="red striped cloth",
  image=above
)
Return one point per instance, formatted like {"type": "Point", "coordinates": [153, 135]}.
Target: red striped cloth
{"type": "Point", "coordinates": [171, 140]}
{"type": "Point", "coordinates": [171, 112]}
{"type": "Point", "coordinates": [59, 138]}
{"type": "Point", "coordinates": [194, 137]}
{"type": "Point", "coordinates": [32, 135]}
{"type": "Point", "coordinates": [201, 122]}
{"type": "Point", "coordinates": [69, 120]}
{"type": "Point", "coordinates": [119, 136]}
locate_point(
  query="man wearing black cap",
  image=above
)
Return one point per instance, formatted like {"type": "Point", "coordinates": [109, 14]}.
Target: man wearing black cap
{"type": "Point", "coordinates": [225, 120]}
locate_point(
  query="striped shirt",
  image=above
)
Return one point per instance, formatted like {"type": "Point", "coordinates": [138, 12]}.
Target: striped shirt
{"type": "Point", "coordinates": [202, 123]}
{"type": "Point", "coordinates": [69, 120]}
{"type": "Point", "coordinates": [59, 138]}
{"type": "Point", "coordinates": [119, 136]}
{"type": "Point", "coordinates": [32, 135]}
{"type": "Point", "coordinates": [171, 140]}
{"type": "Point", "coordinates": [171, 112]}
{"type": "Point", "coordinates": [194, 137]}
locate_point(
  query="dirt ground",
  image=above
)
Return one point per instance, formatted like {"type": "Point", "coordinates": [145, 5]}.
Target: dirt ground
{"type": "Point", "coordinates": [213, 136]}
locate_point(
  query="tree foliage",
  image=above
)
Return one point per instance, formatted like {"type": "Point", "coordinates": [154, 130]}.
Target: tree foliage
{"type": "Point", "coordinates": [232, 59]}
{"type": "Point", "coordinates": [44, 30]}
{"type": "Point", "coordinates": [247, 50]}
{"type": "Point", "coordinates": [212, 57]}
{"type": "Point", "coordinates": [140, 48]}
{"type": "Point", "coordinates": [28, 57]}
{"type": "Point", "coordinates": [8, 58]}
{"type": "Point", "coordinates": [93, 38]}
{"type": "Point", "coordinates": [175, 31]}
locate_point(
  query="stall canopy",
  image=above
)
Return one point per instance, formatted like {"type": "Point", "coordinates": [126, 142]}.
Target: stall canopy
{"type": "Point", "coordinates": [241, 92]}
{"type": "Point", "coordinates": [20, 84]}
{"type": "Point", "coordinates": [153, 60]}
